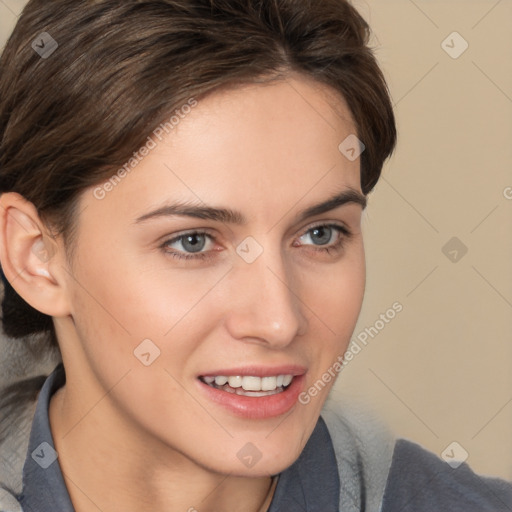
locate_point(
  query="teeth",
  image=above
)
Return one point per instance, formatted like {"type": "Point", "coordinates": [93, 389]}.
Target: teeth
{"type": "Point", "coordinates": [250, 383]}
{"type": "Point", "coordinates": [235, 382]}
{"type": "Point", "coordinates": [268, 383]}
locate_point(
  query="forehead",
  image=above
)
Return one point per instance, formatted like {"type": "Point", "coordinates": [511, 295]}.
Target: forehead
{"type": "Point", "coordinates": [259, 148]}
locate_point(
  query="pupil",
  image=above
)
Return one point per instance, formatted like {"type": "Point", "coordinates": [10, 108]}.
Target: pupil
{"type": "Point", "coordinates": [193, 243]}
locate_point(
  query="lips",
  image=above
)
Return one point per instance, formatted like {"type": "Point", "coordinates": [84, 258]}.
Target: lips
{"type": "Point", "coordinates": [254, 393]}
{"type": "Point", "coordinates": [250, 385]}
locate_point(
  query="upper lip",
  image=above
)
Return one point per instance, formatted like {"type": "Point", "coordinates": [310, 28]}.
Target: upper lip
{"type": "Point", "coordinates": [257, 371]}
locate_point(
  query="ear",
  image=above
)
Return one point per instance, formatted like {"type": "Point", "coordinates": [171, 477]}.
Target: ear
{"type": "Point", "coordinates": [31, 258]}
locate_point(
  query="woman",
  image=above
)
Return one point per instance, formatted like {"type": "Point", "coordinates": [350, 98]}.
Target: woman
{"type": "Point", "coordinates": [182, 187]}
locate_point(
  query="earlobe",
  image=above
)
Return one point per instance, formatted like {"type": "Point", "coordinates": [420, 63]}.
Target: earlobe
{"type": "Point", "coordinates": [28, 254]}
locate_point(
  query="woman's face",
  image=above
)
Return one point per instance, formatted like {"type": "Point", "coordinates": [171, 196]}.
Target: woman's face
{"type": "Point", "coordinates": [207, 267]}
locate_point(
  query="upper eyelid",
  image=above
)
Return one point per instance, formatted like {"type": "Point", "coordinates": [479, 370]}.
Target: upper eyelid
{"type": "Point", "coordinates": [175, 238]}
{"type": "Point", "coordinates": [338, 224]}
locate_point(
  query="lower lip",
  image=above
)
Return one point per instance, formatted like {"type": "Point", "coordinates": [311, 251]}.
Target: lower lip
{"type": "Point", "coordinates": [256, 407]}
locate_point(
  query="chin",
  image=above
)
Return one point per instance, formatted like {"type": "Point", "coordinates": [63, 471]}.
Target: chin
{"type": "Point", "coordinates": [268, 453]}
{"type": "Point", "coordinates": [266, 466]}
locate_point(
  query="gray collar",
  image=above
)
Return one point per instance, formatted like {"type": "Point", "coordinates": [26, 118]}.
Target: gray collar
{"type": "Point", "coordinates": [43, 484]}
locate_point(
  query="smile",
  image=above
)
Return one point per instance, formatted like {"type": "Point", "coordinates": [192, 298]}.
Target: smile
{"type": "Point", "coordinates": [255, 392]}
{"type": "Point", "coordinates": [249, 385]}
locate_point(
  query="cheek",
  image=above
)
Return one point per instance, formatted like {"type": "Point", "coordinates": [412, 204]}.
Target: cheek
{"type": "Point", "coordinates": [141, 297]}
{"type": "Point", "coordinates": [335, 296]}
{"type": "Point", "coordinates": [335, 301]}
{"type": "Point", "coordinates": [121, 303]}
{"type": "Point", "coordinates": [346, 304]}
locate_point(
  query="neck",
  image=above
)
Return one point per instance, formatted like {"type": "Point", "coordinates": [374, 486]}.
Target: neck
{"type": "Point", "coordinates": [110, 466]}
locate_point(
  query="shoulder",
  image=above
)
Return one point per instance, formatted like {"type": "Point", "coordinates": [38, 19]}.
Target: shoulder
{"type": "Point", "coordinates": [18, 401]}
{"type": "Point", "coordinates": [380, 473]}
{"type": "Point", "coordinates": [14, 441]}
{"type": "Point", "coordinates": [363, 446]}
{"type": "Point", "coordinates": [13, 449]}
{"type": "Point", "coordinates": [420, 481]}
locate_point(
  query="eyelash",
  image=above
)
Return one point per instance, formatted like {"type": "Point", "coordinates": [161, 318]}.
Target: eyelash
{"type": "Point", "coordinates": [343, 232]}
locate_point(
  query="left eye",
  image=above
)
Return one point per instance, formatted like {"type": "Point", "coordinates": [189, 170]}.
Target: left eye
{"type": "Point", "coordinates": [321, 235]}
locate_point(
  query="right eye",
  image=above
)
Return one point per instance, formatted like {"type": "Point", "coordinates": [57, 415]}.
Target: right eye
{"type": "Point", "coordinates": [188, 245]}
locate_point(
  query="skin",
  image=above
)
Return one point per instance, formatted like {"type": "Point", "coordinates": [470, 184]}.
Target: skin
{"type": "Point", "coordinates": [134, 437]}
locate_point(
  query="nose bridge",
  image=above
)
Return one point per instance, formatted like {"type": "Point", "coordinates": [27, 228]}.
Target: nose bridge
{"type": "Point", "coordinates": [267, 307]}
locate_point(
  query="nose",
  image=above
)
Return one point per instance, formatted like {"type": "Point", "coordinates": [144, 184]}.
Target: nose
{"type": "Point", "coordinates": [265, 306]}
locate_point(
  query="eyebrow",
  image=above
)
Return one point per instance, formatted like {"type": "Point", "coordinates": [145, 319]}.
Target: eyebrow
{"type": "Point", "coordinates": [228, 216]}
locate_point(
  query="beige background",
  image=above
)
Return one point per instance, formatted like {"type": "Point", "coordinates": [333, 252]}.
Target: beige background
{"type": "Point", "coordinates": [441, 370]}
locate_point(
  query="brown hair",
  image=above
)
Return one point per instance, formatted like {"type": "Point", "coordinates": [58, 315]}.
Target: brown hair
{"type": "Point", "coordinates": [122, 66]}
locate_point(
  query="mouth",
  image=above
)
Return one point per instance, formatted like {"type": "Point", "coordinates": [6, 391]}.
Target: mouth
{"type": "Point", "coordinates": [256, 392]}
{"type": "Point", "coordinates": [249, 385]}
